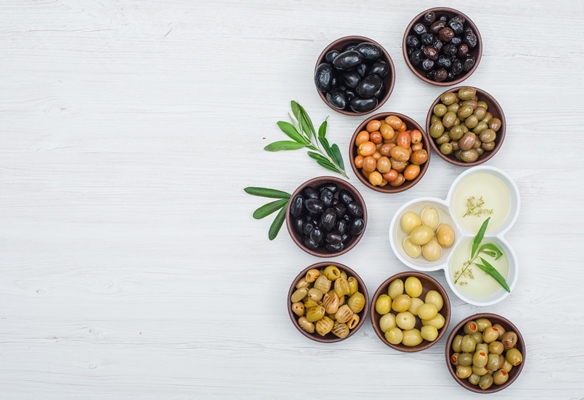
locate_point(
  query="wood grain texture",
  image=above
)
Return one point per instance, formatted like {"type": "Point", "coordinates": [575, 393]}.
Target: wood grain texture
{"type": "Point", "coordinates": [130, 265]}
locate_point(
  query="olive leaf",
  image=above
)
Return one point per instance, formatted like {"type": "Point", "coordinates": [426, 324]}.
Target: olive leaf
{"type": "Point", "coordinates": [269, 208]}
{"type": "Point", "coordinates": [301, 131]}
{"type": "Point", "coordinates": [489, 269]}
{"type": "Point", "coordinates": [492, 250]}
{"type": "Point", "coordinates": [266, 192]}
{"type": "Point", "coordinates": [277, 224]}
{"type": "Point", "coordinates": [479, 238]}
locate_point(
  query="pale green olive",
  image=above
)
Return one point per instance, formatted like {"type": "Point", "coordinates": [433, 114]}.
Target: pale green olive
{"type": "Point", "coordinates": [432, 250]}
{"type": "Point", "coordinates": [445, 235]}
{"type": "Point", "coordinates": [457, 343]}
{"type": "Point", "coordinates": [438, 321]}
{"type": "Point", "coordinates": [480, 358]}
{"type": "Point", "coordinates": [415, 306]}
{"type": "Point", "coordinates": [434, 297]}
{"type": "Point", "coordinates": [299, 294]}
{"type": "Point", "coordinates": [427, 311]}
{"type": "Point", "coordinates": [383, 304]}
{"type": "Point", "coordinates": [421, 235]}
{"type": "Point", "coordinates": [514, 357]}
{"type": "Point", "coordinates": [411, 249]}
{"type": "Point", "coordinates": [356, 302]}
{"type": "Point", "coordinates": [409, 221]}
{"type": "Point", "coordinates": [394, 335]}
{"type": "Point", "coordinates": [412, 337]}
{"type": "Point", "coordinates": [429, 333]}
{"type": "Point", "coordinates": [500, 377]}
{"type": "Point", "coordinates": [396, 287]}
{"type": "Point", "coordinates": [486, 381]}
{"type": "Point", "coordinates": [463, 372]}
{"type": "Point", "coordinates": [387, 322]}
{"type": "Point", "coordinates": [430, 217]}
{"type": "Point", "coordinates": [405, 320]}
{"type": "Point", "coordinates": [483, 323]}
{"type": "Point", "coordinates": [413, 286]}
{"type": "Point", "coordinates": [401, 303]}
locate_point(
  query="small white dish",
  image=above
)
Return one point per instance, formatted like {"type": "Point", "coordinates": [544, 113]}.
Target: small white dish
{"type": "Point", "coordinates": [497, 191]}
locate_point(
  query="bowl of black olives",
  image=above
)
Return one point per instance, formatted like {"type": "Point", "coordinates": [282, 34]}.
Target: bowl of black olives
{"type": "Point", "coordinates": [326, 216]}
{"type": "Point", "coordinates": [466, 125]}
{"type": "Point", "coordinates": [442, 46]}
{"type": "Point", "coordinates": [328, 302]}
{"type": "Point", "coordinates": [354, 75]}
{"type": "Point", "coordinates": [485, 353]}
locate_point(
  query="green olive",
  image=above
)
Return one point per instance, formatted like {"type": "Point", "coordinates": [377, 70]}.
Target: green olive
{"type": "Point", "coordinates": [422, 235]}
{"type": "Point", "coordinates": [434, 118]}
{"type": "Point", "coordinates": [427, 311]}
{"type": "Point", "coordinates": [448, 120]}
{"type": "Point", "coordinates": [457, 153]}
{"type": "Point", "coordinates": [494, 362]}
{"type": "Point", "coordinates": [437, 129]}
{"type": "Point", "coordinates": [483, 323]}
{"type": "Point", "coordinates": [443, 139]}
{"type": "Point", "coordinates": [306, 324]}
{"type": "Point", "coordinates": [439, 110]}
{"type": "Point", "coordinates": [480, 358]}
{"type": "Point", "coordinates": [396, 287]}
{"type": "Point", "coordinates": [464, 112]}
{"type": "Point", "coordinates": [446, 148]}
{"type": "Point", "coordinates": [500, 328]}
{"type": "Point", "coordinates": [477, 143]}
{"type": "Point", "coordinates": [387, 322]}
{"type": "Point", "coordinates": [490, 334]}
{"type": "Point", "coordinates": [474, 379]}
{"type": "Point", "coordinates": [463, 372]}
{"type": "Point", "coordinates": [507, 366]}
{"type": "Point", "coordinates": [456, 132]}
{"type": "Point", "coordinates": [480, 112]}
{"type": "Point", "coordinates": [488, 135]}
{"type": "Point", "coordinates": [454, 144]}
{"type": "Point", "coordinates": [466, 93]}
{"type": "Point", "coordinates": [409, 221]}
{"type": "Point", "coordinates": [383, 304]}
{"type": "Point", "coordinates": [471, 122]}
{"type": "Point", "coordinates": [483, 104]}
{"type": "Point", "coordinates": [496, 347]}
{"type": "Point", "coordinates": [480, 371]}
{"type": "Point", "coordinates": [315, 313]}
{"type": "Point", "coordinates": [412, 337]}
{"type": "Point", "coordinates": [453, 107]}
{"type": "Point", "coordinates": [488, 117]}
{"type": "Point", "coordinates": [356, 302]}
{"type": "Point", "coordinates": [478, 336]}
{"type": "Point", "coordinates": [488, 146]}
{"type": "Point", "coordinates": [429, 333]}
{"type": "Point", "coordinates": [500, 377]}
{"type": "Point", "coordinates": [448, 98]}
{"type": "Point", "coordinates": [456, 342]}
{"type": "Point", "coordinates": [454, 358]}
{"type": "Point", "coordinates": [509, 340]}
{"type": "Point", "coordinates": [467, 141]}
{"type": "Point", "coordinates": [299, 295]}
{"type": "Point", "coordinates": [480, 151]}
{"type": "Point", "coordinates": [394, 335]}
{"type": "Point", "coordinates": [470, 327]}
{"type": "Point", "coordinates": [469, 155]}
{"type": "Point", "coordinates": [315, 294]}
{"type": "Point", "coordinates": [405, 320]}
{"type": "Point", "coordinates": [486, 381]}
{"type": "Point", "coordinates": [514, 357]}
{"type": "Point", "coordinates": [468, 344]}
{"type": "Point", "coordinates": [473, 103]}
{"type": "Point", "coordinates": [495, 124]}
{"type": "Point", "coordinates": [411, 249]}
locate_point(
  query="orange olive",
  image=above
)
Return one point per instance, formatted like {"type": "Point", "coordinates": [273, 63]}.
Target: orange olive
{"type": "Point", "coordinates": [411, 172]}
{"type": "Point", "coordinates": [376, 137]}
{"type": "Point", "coordinates": [403, 127]}
{"type": "Point", "coordinates": [387, 131]}
{"type": "Point", "coordinates": [394, 121]}
{"type": "Point", "coordinates": [362, 137]}
{"type": "Point", "coordinates": [367, 148]}
{"type": "Point", "coordinates": [416, 136]}
{"type": "Point", "coordinates": [375, 178]}
{"type": "Point", "coordinates": [383, 165]}
{"type": "Point", "coordinates": [369, 164]}
{"type": "Point", "coordinates": [398, 181]}
{"type": "Point", "coordinates": [404, 139]}
{"type": "Point", "coordinates": [385, 148]}
{"type": "Point", "coordinates": [417, 146]}
{"type": "Point", "coordinates": [359, 161]}
{"type": "Point", "coordinates": [377, 155]}
{"type": "Point", "coordinates": [400, 153]}
{"type": "Point", "coordinates": [419, 157]}
{"type": "Point", "coordinates": [399, 166]}
{"type": "Point", "coordinates": [383, 183]}
{"type": "Point", "coordinates": [373, 126]}
{"type": "Point", "coordinates": [391, 175]}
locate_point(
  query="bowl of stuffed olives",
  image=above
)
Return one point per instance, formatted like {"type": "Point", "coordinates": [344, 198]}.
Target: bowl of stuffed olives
{"type": "Point", "coordinates": [328, 302]}
{"type": "Point", "coordinates": [410, 311]}
{"type": "Point", "coordinates": [326, 216]}
{"type": "Point", "coordinates": [389, 152]}
{"type": "Point", "coordinates": [466, 126]}
{"type": "Point", "coordinates": [442, 46]}
{"type": "Point", "coordinates": [485, 353]}
{"type": "Point", "coordinates": [354, 75]}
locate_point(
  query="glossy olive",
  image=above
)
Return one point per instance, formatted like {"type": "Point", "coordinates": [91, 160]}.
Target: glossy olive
{"type": "Point", "coordinates": [323, 77]}
{"type": "Point", "coordinates": [359, 104]}
{"type": "Point", "coordinates": [347, 60]}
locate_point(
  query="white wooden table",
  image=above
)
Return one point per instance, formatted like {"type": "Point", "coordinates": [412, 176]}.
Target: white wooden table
{"type": "Point", "coordinates": [130, 264]}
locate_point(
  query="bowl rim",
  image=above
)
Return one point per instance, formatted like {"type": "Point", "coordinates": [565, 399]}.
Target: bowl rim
{"type": "Point", "coordinates": [500, 134]}
{"type": "Point", "coordinates": [391, 71]}
{"type": "Point", "coordinates": [426, 140]}
{"type": "Point", "coordinates": [383, 288]}
{"type": "Point", "coordinates": [350, 272]}
{"type": "Point", "coordinates": [356, 196]}
{"type": "Point", "coordinates": [444, 83]}
{"type": "Point", "coordinates": [452, 370]}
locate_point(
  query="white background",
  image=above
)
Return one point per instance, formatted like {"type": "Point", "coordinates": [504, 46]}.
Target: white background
{"type": "Point", "coordinates": [130, 264]}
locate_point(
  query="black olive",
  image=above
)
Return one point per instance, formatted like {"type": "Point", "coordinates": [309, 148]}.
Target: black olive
{"type": "Point", "coordinates": [431, 53]}
{"type": "Point", "coordinates": [336, 98]}
{"type": "Point", "coordinates": [358, 104]}
{"type": "Point", "coordinates": [357, 227]}
{"type": "Point", "coordinates": [326, 196]}
{"type": "Point", "coordinates": [440, 75]}
{"type": "Point", "coordinates": [351, 79]}
{"type": "Point", "coordinates": [457, 40]}
{"type": "Point", "coordinates": [427, 38]}
{"type": "Point", "coordinates": [345, 197]}
{"type": "Point", "coordinates": [449, 49]}
{"type": "Point", "coordinates": [330, 186]}
{"type": "Point", "coordinates": [342, 226]}
{"type": "Point", "coordinates": [311, 244]}
{"type": "Point", "coordinates": [355, 209]}
{"type": "Point", "coordinates": [317, 235]}
{"type": "Point", "coordinates": [419, 28]}
{"type": "Point", "coordinates": [314, 206]}
{"type": "Point", "coordinates": [368, 86]}
{"type": "Point", "coordinates": [335, 248]}
{"type": "Point", "coordinates": [438, 44]}
{"type": "Point", "coordinates": [380, 92]}
{"type": "Point", "coordinates": [323, 77]}
{"type": "Point", "coordinates": [427, 64]}
{"type": "Point", "coordinates": [412, 41]}
{"type": "Point", "coordinates": [458, 18]}
{"type": "Point", "coordinates": [299, 225]}
{"type": "Point", "coordinates": [446, 34]}
{"type": "Point", "coordinates": [417, 57]}
{"type": "Point", "coordinates": [443, 61]}
{"type": "Point", "coordinates": [456, 67]}
{"type": "Point", "coordinates": [350, 94]}
{"type": "Point", "coordinates": [328, 219]}
{"type": "Point", "coordinates": [429, 18]}
{"type": "Point", "coordinates": [450, 76]}
{"type": "Point", "coordinates": [347, 60]}
{"type": "Point", "coordinates": [462, 50]}
{"type": "Point", "coordinates": [345, 238]}
{"type": "Point", "coordinates": [340, 209]}
{"type": "Point", "coordinates": [369, 51]}
{"type": "Point", "coordinates": [334, 237]}
{"type": "Point", "coordinates": [297, 206]}
{"type": "Point", "coordinates": [347, 218]}
{"type": "Point", "coordinates": [362, 69]}
{"type": "Point", "coordinates": [311, 193]}
{"type": "Point", "coordinates": [436, 26]}
{"type": "Point", "coordinates": [468, 63]}
{"type": "Point", "coordinates": [443, 18]}
{"type": "Point", "coordinates": [349, 47]}
{"type": "Point", "coordinates": [380, 68]}
{"type": "Point", "coordinates": [307, 228]}
{"type": "Point", "coordinates": [456, 26]}
{"type": "Point", "coordinates": [430, 74]}
{"type": "Point", "coordinates": [330, 56]}
{"type": "Point", "coordinates": [470, 38]}
{"type": "Point", "coordinates": [334, 82]}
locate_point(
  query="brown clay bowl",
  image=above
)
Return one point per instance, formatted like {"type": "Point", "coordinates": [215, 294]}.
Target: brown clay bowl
{"type": "Point", "coordinates": [477, 51]}
{"type": "Point", "coordinates": [494, 108]}
{"type": "Point", "coordinates": [459, 330]}
{"type": "Point", "coordinates": [428, 283]}
{"type": "Point", "coordinates": [388, 80]}
{"type": "Point", "coordinates": [316, 183]}
{"type": "Point", "coordinates": [353, 152]}
{"type": "Point", "coordinates": [329, 337]}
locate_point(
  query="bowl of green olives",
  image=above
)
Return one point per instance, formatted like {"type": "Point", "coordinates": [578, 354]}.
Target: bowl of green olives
{"type": "Point", "coordinates": [485, 353]}
{"type": "Point", "coordinates": [389, 152]}
{"type": "Point", "coordinates": [410, 311]}
{"type": "Point", "coordinates": [328, 302]}
{"type": "Point", "coordinates": [326, 216]}
{"type": "Point", "coordinates": [467, 126]}
{"type": "Point", "coordinates": [354, 75]}
{"type": "Point", "coordinates": [442, 46]}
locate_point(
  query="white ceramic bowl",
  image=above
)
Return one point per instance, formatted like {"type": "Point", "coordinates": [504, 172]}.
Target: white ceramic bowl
{"type": "Point", "coordinates": [496, 187]}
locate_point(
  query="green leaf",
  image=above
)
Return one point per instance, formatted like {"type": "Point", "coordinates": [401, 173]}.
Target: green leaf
{"type": "Point", "coordinates": [296, 111]}
{"type": "Point", "coordinates": [327, 147]}
{"type": "Point", "coordinates": [277, 224]}
{"type": "Point", "coordinates": [322, 129]}
{"type": "Point", "coordinates": [327, 165]}
{"type": "Point", "coordinates": [269, 208]}
{"type": "Point", "coordinates": [489, 269]}
{"type": "Point", "coordinates": [479, 238]}
{"type": "Point", "coordinates": [316, 156]}
{"type": "Point", "coordinates": [292, 133]}
{"type": "Point", "coordinates": [303, 119]}
{"type": "Point", "coordinates": [338, 156]}
{"type": "Point", "coordinates": [266, 192]}
{"type": "Point", "coordinates": [491, 248]}
{"type": "Point", "coordinates": [284, 145]}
